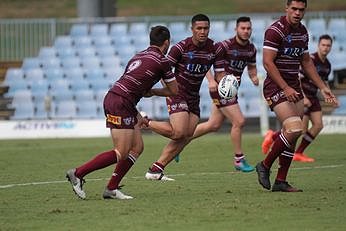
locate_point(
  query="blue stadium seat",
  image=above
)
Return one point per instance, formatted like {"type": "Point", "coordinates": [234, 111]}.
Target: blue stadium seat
{"type": "Point", "coordinates": [97, 85]}
{"type": "Point", "coordinates": [98, 30]}
{"type": "Point", "coordinates": [317, 27]}
{"type": "Point", "coordinates": [59, 85]}
{"type": "Point", "coordinates": [34, 75]}
{"type": "Point", "coordinates": [42, 111]}
{"type": "Point", "coordinates": [47, 52]}
{"type": "Point", "coordinates": [13, 75]}
{"type": "Point", "coordinates": [90, 62]}
{"type": "Point", "coordinates": [253, 107]}
{"type": "Point", "coordinates": [87, 110]}
{"type": "Point", "coordinates": [113, 73]}
{"type": "Point", "coordinates": [337, 24]}
{"type": "Point", "coordinates": [205, 108]}
{"type": "Point", "coordinates": [39, 89]}
{"type": "Point", "coordinates": [83, 95]}
{"type": "Point", "coordinates": [31, 63]}
{"type": "Point", "coordinates": [102, 41]}
{"type": "Point", "coordinates": [70, 62]}
{"type": "Point", "coordinates": [82, 42]}
{"type": "Point", "coordinates": [79, 30]}
{"type": "Point", "coordinates": [65, 110]}
{"type": "Point", "coordinates": [76, 73]}
{"type": "Point", "coordinates": [118, 29]}
{"type": "Point", "coordinates": [66, 52]}
{"type": "Point", "coordinates": [105, 51]}
{"type": "Point", "coordinates": [21, 97]}
{"type": "Point", "coordinates": [176, 27]}
{"type": "Point", "coordinates": [53, 74]}
{"type": "Point", "coordinates": [16, 86]}
{"type": "Point", "coordinates": [137, 28]}
{"type": "Point", "coordinates": [50, 62]}
{"type": "Point", "coordinates": [99, 96]}
{"type": "Point", "coordinates": [160, 108]}
{"type": "Point", "coordinates": [86, 52]}
{"type": "Point", "coordinates": [96, 73]}
{"type": "Point", "coordinates": [341, 110]}
{"type": "Point", "coordinates": [23, 112]}
{"type": "Point", "coordinates": [62, 42]}
{"type": "Point", "coordinates": [110, 62]}
{"type": "Point", "coordinates": [61, 95]}
{"type": "Point", "coordinates": [79, 84]}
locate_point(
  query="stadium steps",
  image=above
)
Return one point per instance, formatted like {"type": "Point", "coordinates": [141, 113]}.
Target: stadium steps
{"type": "Point", "coordinates": [5, 111]}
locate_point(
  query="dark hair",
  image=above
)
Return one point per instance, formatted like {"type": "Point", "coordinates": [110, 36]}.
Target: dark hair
{"type": "Point", "coordinates": [325, 36]}
{"type": "Point", "coordinates": [199, 17]}
{"type": "Point", "coordinates": [303, 1]}
{"type": "Point", "coordinates": [158, 35]}
{"type": "Point", "coordinates": [243, 19]}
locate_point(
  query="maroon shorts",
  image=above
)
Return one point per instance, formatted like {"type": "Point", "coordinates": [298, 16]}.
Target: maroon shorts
{"type": "Point", "coordinates": [180, 103]}
{"type": "Point", "coordinates": [315, 106]}
{"type": "Point", "coordinates": [275, 95]}
{"type": "Point", "coordinates": [220, 102]}
{"type": "Point", "coordinates": [120, 113]}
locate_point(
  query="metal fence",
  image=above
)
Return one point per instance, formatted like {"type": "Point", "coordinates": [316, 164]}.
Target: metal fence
{"type": "Point", "coordinates": [21, 38]}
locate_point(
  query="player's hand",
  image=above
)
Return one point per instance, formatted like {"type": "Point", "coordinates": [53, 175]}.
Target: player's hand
{"type": "Point", "coordinates": [148, 94]}
{"type": "Point", "coordinates": [307, 102]}
{"type": "Point", "coordinates": [212, 85]}
{"type": "Point", "coordinates": [329, 97]}
{"type": "Point", "coordinates": [291, 94]}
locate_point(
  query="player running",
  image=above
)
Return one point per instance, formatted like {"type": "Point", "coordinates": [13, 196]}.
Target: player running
{"type": "Point", "coordinates": [142, 72]}
{"type": "Point", "coordinates": [191, 58]}
{"type": "Point", "coordinates": [237, 53]}
{"type": "Point", "coordinates": [285, 50]}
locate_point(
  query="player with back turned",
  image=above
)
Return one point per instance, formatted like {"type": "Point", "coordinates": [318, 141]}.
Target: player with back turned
{"type": "Point", "coordinates": [142, 72]}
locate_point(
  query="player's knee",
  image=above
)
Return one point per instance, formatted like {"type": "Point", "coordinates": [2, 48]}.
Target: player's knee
{"type": "Point", "coordinates": [293, 126]}
{"type": "Point", "coordinates": [178, 135]}
{"type": "Point", "coordinates": [120, 154]}
{"type": "Point", "coordinates": [214, 127]}
{"type": "Point", "coordinates": [239, 123]}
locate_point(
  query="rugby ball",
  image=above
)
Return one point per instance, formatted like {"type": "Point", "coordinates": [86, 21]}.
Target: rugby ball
{"type": "Point", "coordinates": [228, 87]}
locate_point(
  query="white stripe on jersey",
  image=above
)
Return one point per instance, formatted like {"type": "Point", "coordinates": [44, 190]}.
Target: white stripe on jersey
{"type": "Point", "coordinates": [270, 48]}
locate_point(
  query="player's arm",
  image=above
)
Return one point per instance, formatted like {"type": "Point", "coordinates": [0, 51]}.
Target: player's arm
{"type": "Point", "coordinates": [169, 89]}
{"type": "Point", "coordinates": [269, 56]}
{"type": "Point", "coordinates": [252, 71]}
{"type": "Point", "coordinates": [310, 70]}
{"type": "Point", "coordinates": [212, 84]}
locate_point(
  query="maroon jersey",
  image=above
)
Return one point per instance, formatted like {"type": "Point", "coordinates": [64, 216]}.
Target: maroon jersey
{"type": "Point", "coordinates": [191, 65]}
{"type": "Point", "coordinates": [235, 57]}
{"type": "Point", "coordinates": [290, 43]}
{"type": "Point", "coordinates": [323, 70]}
{"type": "Point", "coordinates": [142, 72]}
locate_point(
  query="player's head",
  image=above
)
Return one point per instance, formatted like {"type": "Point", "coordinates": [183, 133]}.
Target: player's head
{"type": "Point", "coordinates": [295, 10]}
{"type": "Point", "coordinates": [324, 45]}
{"type": "Point", "coordinates": [243, 28]}
{"type": "Point", "coordinates": [160, 36]}
{"type": "Point", "coordinates": [200, 25]}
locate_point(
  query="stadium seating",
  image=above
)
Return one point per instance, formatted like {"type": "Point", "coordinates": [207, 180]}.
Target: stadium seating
{"type": "Point", "coordinates": [66, 109]}
{"type": "Point", "coordinates": [92, 57]}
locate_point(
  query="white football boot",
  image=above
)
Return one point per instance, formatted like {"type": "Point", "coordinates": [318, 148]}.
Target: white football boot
{"type": "Point", "coordinates": [115, 194]}
{"type": "Point", "coordinates": [77, 184]}
{"type": "Point", "coordinates": [157, 176]}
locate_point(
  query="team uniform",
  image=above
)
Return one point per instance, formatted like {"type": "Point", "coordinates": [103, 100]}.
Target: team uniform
{"type": "Point", "coordinates": [235, 58]}
{"type": "Point", "coordinates": [290, 44]}
{"type": "Point", "coordinates": [142, 72]}
{"type": "Point", "coordinates": [309, 88]}
{"type": "Point", "coordinates": [191, 64]}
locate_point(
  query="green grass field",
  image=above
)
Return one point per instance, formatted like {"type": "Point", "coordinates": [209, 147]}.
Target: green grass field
{"type": "Point", "coordinates": [207, 194]}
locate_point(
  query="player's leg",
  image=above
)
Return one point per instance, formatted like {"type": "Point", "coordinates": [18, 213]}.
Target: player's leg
{"type": "Point", "coordinates": [174, 146]}
{"type": "Point", "coordinates": [112, 191]}
{"type": "Point", "coordinates": [289, 114]}
{"type": "Point", "coordinates": [237, 119]}
{"type": "Point", "coordinates": [309, 136]}
{"type": "Point", "coordinates": [212, 125]}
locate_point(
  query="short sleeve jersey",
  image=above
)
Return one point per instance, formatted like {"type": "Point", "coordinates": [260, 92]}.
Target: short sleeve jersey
{"type": "Point", "coordinates": [323, 70]}
{"type": "Point", "coordinates": [235, 57]}
{"type": "Point", "coordinates": [290, 43]}
{"type": "Point", "coordinates": [191, 63]}
{"type": "Point", "coordinates": [142, 72]}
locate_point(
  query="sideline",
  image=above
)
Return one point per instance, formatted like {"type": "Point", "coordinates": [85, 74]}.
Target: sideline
{"type": "Point", "coordinates": [171, 175]}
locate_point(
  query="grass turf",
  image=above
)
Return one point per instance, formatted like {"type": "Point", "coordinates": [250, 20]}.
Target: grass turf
{"type": "Point", "coordinates": [207, 194]}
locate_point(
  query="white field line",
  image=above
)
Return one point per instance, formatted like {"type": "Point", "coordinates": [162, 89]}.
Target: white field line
{"type": "Point", "coordinates": [171, 175]}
